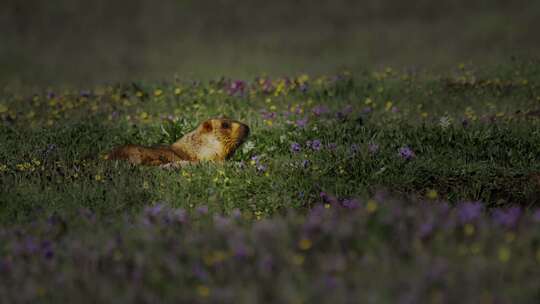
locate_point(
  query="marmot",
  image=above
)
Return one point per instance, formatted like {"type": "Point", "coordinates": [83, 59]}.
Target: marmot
{"type": "Point", "coordinates": [214, 140]}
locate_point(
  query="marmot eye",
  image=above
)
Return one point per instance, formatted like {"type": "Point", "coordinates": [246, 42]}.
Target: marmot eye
{"type": "Point", "coordinates": [225, 125]}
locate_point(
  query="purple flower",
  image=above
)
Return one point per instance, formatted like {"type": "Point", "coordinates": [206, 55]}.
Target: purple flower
{"type": "Point", "coordinates": [30, 246]}
{"type": "Point", "coordinates": [236, 213]}
{"type": "Point", "coordinates": [395, 109]}
{"type": "Point", "coordinates": [406, 153]}
{"type": "Point", "coordinates": [202, 209]}
{"type": "Point", "coordinates": [355, 148]}
{"type": "Point", "coordinates": [327, 198]}
{"type": "Point", "coordinates": [319, 110]}
{"type": "Point", "coordinates": [241, 164]}
{"type": "Point", "coordinates": [221, 222]}
{"type": "Point", "coordinates": [330, 282]}
{"type": "Point", "coordinates": [367, 110]}
{"type": "Point", "coordinates": [200, 273]}
{"type": "Point", "coordinates": [351, 203]}
{"type": "Point", "coordinates": [268, 115]}
{"type": "Point", "coordinates": [51, 95]}
{"type": "Point", "coordinates": [261, 168]}
{"type": "Point", "coordinates": [373, 148]}
{"type": "Point", "coordinates": [331, 146]}
{"type": "Point", "coordinates": [48, 251]}
{"type": "Point", "coordinates": [316, 145]}
{"type": "Point", "coordinates": [469, 211]}
{"type": "Point", "coordinates": [154, 210]}
{"type": "Point", "coordinates": [305, 163]}
{"type": "Point", "coordinates": [85, 93]}
{"type": "Point", "coordinates": [425, 229]}
{"type": "Point", "coordinates": [536, 215]}
{"type": "Point", "coordinates": [180, 215]}
{"type": "Point", "coordinates": [237, 87]}
{"type": "Point", "coordinates": [301, 123]}
{"type": "Point", "coordinates": [5, 265]}
{"type": "Point", "coordinates": [266, 85]}
{"type": "Point", "coordinates": [266, 264]}
{"type": "Point", "coordinates": [344, 113]}
{"type": "Point", "coordinates": [296, 147]}
{"type": "Point", "coordinates": [239, 248]}
{"type": "Point", "coordinates": [303, 88]}
{"type": "Point", "coordinates": [508, 217]}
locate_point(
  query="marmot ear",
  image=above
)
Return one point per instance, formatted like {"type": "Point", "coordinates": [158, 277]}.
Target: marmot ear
{"type": "Point", "coordinates": [207, 126]}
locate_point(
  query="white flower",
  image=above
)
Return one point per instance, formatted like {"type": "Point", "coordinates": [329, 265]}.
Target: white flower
{"type": "Point", "coordinates": [248, 146]}
{"type": "Point", "coordinates": [445, 122]}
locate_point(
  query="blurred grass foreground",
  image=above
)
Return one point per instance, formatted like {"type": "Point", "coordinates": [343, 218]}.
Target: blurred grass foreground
{"type": "Point", "coordinates": [76, 42]}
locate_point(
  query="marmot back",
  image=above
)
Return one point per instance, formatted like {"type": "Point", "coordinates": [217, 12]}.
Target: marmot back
{"type": "Point", "coordinates": [214, 140]}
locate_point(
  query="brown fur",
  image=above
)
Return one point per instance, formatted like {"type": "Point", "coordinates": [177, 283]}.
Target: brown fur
{"type": "Point", "coordinates": [213, 140]}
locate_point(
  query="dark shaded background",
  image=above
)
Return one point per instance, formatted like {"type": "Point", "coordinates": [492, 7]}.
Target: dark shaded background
{"type": "Point", "coordinates": [76, 42]}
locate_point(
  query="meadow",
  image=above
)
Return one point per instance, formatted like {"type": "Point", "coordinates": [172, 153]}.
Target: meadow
{"type": "Point", "coordinates": [376, 186]}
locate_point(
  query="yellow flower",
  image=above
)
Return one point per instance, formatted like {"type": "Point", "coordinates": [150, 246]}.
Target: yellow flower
{"type": "Point", "coordinates": [158, 92]}
{"type": "Point", "coordinates": [504, 254]}
{"type": "Point", "coordinates": [143, 116]}
{"type": "Point", "coordinates": [476, 248]}
{"type": "Point", "coordinates": [469, 229]}
{"type": "Point", "coordinates": [509, 237]}
{"type": "Point", "coordinates": [298, 259]}
{"type": "Point", "coordinates": [388, 105]}
{"type": "Point", "coordinates": [424, 114]}
{"type": "Point", "coordinates": [98, 177]}
{"type": "Point", "coordinates": [303, 78]}
{"type": "Point", "coordinates": [203, 291]}
{"type": "Point", "coordinates": [304, 244]}
{"type": "Point", "coordinates": [371, 206]}
{"type": "Point", "coordinates": [3, 108]}
{"type": "Point", "coordinates": [139, 94]}
{"type": "Point", "coordinates": [177, 91]}
{"type": "Point", "coordinates": [214, 257]}
{"type": "Point", "coordinates": [432, 194]}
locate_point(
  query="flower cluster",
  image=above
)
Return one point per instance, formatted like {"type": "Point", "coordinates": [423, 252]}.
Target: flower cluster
{"type": "Point", "coordinates": [198, 256]}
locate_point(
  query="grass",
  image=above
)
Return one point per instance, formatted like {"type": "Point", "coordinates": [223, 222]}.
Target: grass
{"type": "Point", "coordinates": [446, 120]}
{"type": "Point", "coordinates": [469, 135]}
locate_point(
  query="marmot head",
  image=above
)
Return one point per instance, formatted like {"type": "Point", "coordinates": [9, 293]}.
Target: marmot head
{"type": "Point", "coordinates": [215, 139]}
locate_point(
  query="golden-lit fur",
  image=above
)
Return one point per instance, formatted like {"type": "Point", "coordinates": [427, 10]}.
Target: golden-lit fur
{"type": "Point", "coordinates": [214, 140]}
